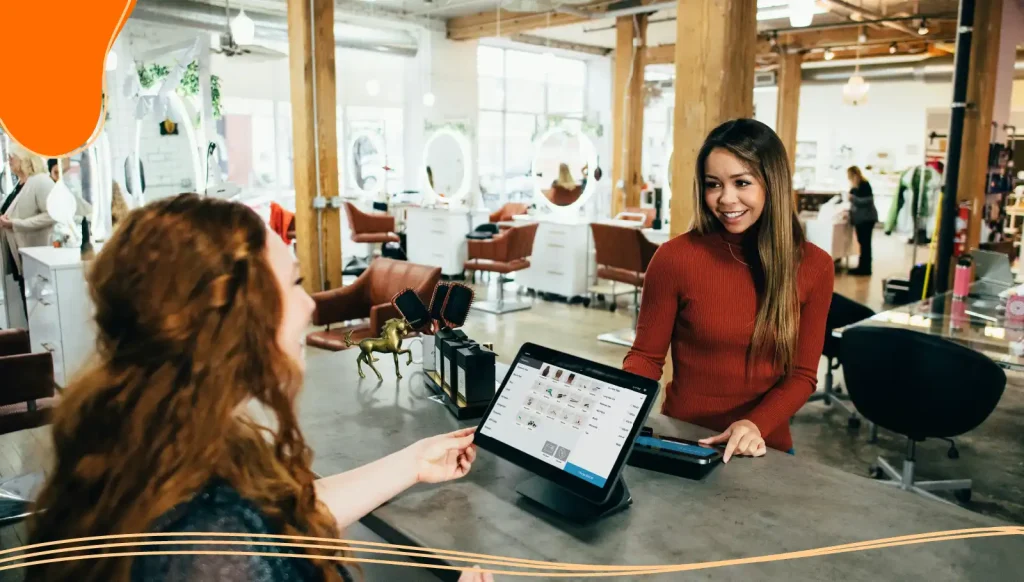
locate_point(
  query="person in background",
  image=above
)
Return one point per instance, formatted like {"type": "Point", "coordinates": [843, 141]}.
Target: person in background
{"type": "Point", "coordinates": [24, 221]}
{"type": "Point", "coordinates": [863, 216]}
{"type": "Point", "coordinates": [564, 190]}
{"type": "Point", "coordinates": [200, 315]}
{"type": "Point", "coordinates": [741, 299]}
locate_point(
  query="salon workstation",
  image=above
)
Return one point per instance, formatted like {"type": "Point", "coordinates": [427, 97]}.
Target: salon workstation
{"type": "Point", "coordinates": [660, 291]}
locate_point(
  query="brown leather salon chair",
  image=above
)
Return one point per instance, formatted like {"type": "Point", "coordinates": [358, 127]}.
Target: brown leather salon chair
{"type": "Point", "coordinates": [508, 252]}
{"type": "Point", "coordinates": [369, 296]}
{"type": "Point", "coordinates": [492, 227]}
{"type": "Point", "coordinates": [372, 228]}
{"type": "Point", "coordinates": [622, 255]}
{"type": "Point", "coordinates": [26, 400]}
{"type": "Point", "coordinates": [649, 214]}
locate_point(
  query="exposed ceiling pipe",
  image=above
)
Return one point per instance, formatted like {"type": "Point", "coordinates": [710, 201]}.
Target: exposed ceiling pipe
{"type": "Point", "coordinates": [865, 14]}
{"type": "Point", "coordinates": [598, 15]}
{"type": "Point", "coordinates": [934, 70]}
{"type": "Point", "coordinates": [198, 16]}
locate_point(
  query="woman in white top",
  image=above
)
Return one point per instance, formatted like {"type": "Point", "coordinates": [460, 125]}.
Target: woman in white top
{"type": "Point", "coordinates": [25, 222]}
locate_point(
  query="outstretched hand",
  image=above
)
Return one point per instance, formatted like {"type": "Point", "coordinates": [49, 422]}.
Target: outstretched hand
{"type": "Point", "coordinates": [444, 457]}
{"type": "Point", "coordinates": [743, 437]}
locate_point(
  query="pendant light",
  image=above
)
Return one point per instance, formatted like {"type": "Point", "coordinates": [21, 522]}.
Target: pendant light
{"type": "Point", "coordinates": [428, 96]}
{"type": "Point", "coordinates": [243, 29]}
{"type": "Point", "coordinates": [801, 12]}
{"type": "Point", "coordinates": [855, 91]}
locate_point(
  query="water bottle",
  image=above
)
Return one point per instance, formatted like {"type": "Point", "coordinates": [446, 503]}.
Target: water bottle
{"type": "Point", "coordinates": [962, 277]}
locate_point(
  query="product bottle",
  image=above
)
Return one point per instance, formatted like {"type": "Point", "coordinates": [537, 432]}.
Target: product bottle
{"type": "Point", "coordinates": [962, 278]}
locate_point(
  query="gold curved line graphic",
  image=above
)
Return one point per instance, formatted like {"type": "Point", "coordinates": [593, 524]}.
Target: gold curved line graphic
{"type": "Point", "coordinates": [589, 571]}
{"type": "Point", "coordinates": [415, 551]}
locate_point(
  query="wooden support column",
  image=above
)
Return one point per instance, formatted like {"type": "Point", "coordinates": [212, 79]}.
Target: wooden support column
{"type": "Point", "coordinates": [628, 111]}
{"type": "Point", "coordinates": [315, 140]}
{"type": "Point", "coordinates": [714, 83]}
{"type": "Point", "coordinates": [981, 88]}
{"type": "Point", "coordinates": [789, 103]}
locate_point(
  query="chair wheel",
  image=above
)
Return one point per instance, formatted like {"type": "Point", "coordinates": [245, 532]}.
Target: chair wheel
{"type": "Point", "coordinates": [876, 472]}
{"type": "Point", "coordinates": [600, 296]}
{"type": "Point", "coordinates": [953, 453]}
{"type": "Point", "coordinates": [853, 422]}
{"type": "Point", "coordinates": [962, 495]}
{"type": "Point", "coordinates": [613, 307]}
{"type": "Point", "coordinates": [586, 303]}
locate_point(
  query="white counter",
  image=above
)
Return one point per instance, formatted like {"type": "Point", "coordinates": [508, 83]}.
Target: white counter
{"type": "Point", "coordinates": [437, 236]}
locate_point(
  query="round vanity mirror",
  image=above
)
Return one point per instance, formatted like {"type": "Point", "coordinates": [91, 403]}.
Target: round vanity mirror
{"type": "Point", "coordinates": [367, 163]}
{"type": "Point", "coordinates": [446, 170]}
{"type": "Point", "coordinates": [561, 168]}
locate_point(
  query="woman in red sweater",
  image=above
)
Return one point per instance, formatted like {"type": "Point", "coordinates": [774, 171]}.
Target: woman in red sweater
{"type": "Point", "coordinates": [741, 299]}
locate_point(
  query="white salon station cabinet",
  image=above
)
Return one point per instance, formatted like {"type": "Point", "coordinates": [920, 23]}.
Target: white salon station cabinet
{"type": "Point", "coordinates": [437, 236]}
{"type": "Point", "coordinates": [59, 308]}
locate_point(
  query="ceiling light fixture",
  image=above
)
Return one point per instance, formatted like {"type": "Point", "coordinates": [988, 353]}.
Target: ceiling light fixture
{"type": "Point", "coordinates": [862, 38]}
{"type": "Point", "coordinates": [892, 49]}
{"type": "Point", "coordinates": [243, 29]}
{"type": "Point", "coordinates": [429, 99]}
{"type": "Point", "coordinates": [829, 55]}
{"type": "Point", "coordinates": [923, 29]}
{"type": "Point", "coordinates": [801, 12]}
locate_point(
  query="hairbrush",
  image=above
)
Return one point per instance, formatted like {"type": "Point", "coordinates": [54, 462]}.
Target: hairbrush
{"type": "Point", "coordinates": [456, 305]}
{"type": "Point", "coordinates": [437, 303]}
{"type": "Point", "coordinates": [412, 309]}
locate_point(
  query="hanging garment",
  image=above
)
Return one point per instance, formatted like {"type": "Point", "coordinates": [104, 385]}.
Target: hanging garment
{"type": "Point", "coordinates": [915, 190]}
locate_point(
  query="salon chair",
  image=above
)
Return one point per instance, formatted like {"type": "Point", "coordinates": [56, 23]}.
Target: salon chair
{"type": "Point", "coordinates": [26, 401]}
{"type": "Point", "coordinates": [369, 296]}
{"type": "Point", "coordinates": [373, 229]}
{"type": "Point", "coordinates": [841, 313]}
{"type": "Point", "coordinates": [504, 214]}
{"type": "Point", "coordinates": [648, 214]}
{"type": "Point", "coordinates": [507, 252]}
{"type": "Point", "coordinates": [622, 255]}
{"type": "Point", "coordinates": [922, 387]}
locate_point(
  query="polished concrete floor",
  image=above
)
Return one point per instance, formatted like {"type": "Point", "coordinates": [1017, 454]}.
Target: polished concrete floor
{"type": "Point", "coordinates": [992, 455]}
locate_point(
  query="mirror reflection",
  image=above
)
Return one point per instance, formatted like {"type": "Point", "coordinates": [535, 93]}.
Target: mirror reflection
{"type": "Point", "coordinates": [446, 166]}
{"type": "Point", "coordinates": [367, 164]}
{"type": "Point", "coordinates": [561, 167]}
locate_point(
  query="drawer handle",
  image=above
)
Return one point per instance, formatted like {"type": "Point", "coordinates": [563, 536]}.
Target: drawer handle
{"type": "Point", "coordinates": [441, 232]}
{"type": "Point", "coordinates": [49, 347]}
{"type": "Point", "coordinates": [555, 273]}
{"type": "Point", "coordinates": [554, 246]}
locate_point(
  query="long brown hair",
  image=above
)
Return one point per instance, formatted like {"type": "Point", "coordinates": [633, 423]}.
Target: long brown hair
{"type": "Point", "coordinates": [854, 173]}
{"type": "Point", "coordinates": [779, 236]}
{"type": "Point", "coordinates": [187, 312]}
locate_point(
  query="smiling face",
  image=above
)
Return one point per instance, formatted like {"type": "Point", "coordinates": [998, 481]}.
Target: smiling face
{"type": "Point", "coordinates": [732, 192]}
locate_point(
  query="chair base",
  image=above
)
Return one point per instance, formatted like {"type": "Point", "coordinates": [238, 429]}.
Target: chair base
{"type": "Point", "coordinates": [501, 307]}
{"type": "Point", "coordinates": [905, 480]}
{"type": "Point", "coordinates": [622, 337]}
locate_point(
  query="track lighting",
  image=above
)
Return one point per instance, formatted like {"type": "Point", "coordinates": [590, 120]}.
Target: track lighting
{"type": "Point", "coordinates": [829, 55]}
{"type": "Point", "coordinates": [892, 49]}
{"type": "Point", "coordinates": [923, 29]}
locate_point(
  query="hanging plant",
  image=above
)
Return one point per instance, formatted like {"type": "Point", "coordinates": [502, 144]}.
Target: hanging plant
{"type": "Point", "coordinates": [189, 86]}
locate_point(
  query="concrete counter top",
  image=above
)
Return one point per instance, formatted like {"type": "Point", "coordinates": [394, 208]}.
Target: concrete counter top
{"type": "Point", "coordinates": [750, 507]}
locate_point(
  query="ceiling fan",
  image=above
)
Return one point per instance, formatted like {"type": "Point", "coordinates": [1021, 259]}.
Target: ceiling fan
{"type": "Point", "coordinates": [238, 40]}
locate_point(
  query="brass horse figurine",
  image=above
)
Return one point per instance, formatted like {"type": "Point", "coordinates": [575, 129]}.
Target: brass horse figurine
{"type": "Point", "coordinates": [390, 342]}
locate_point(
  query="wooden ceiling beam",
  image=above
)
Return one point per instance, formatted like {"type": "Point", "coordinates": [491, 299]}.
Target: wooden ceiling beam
{"type": "Point", "coordinates": [506, 22]}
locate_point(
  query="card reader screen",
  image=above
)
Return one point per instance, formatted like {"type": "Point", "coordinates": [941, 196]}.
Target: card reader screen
{"type": "Point", "coordinates": [675, 446]}
{"type": "Point", "coordinates": [572, 421]}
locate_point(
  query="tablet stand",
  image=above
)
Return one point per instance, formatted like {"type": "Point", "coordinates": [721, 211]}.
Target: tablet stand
{"type": "Point", "coordinates": [571, 506]}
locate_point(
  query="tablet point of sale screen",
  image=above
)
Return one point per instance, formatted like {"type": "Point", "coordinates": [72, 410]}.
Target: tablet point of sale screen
{"type": "Point", "coordinates": [572, 421]}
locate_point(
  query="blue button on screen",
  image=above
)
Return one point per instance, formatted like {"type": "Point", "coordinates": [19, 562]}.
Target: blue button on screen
{"type": "Point", "coordinates": [584, 474]}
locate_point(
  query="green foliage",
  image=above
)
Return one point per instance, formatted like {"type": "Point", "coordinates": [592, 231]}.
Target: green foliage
{"type": "Point", "coordinates": [189, 86]}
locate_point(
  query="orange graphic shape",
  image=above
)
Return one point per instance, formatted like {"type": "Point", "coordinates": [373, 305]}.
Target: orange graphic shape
{"type": "Point", "coordinates": [54, 103]}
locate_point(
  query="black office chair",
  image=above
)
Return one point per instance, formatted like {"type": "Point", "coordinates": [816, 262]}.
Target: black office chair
{"type": "Point", "coordinates": [920, 386]}
{"type": "Point", "coordinates": [841, 313]}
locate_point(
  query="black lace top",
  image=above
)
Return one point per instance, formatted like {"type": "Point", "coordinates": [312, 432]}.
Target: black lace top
{"type": "Point", "coordinates": [219, 508]}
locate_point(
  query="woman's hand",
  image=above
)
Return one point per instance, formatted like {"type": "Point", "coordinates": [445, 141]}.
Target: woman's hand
{"type": "Point", "coordinates": [476, 575]}
{"type": "Point", "coordinates": [444, 457]}
{"type": "Point", "coordinates": [743, 438]}
{"type": "Point", "coordinates": [5, 223]}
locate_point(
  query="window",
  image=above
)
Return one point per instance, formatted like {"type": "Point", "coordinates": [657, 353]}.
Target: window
{"type": "Point", "coordinates": [517, 91]}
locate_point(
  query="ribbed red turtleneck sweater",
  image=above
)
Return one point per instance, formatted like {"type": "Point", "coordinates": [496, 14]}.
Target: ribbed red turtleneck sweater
{"type": "Point", "coordinates": [699, 297]}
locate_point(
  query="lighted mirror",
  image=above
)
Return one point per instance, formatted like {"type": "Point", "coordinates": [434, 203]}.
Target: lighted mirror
{"type": "Point", "coordinates": [367, 164]}
{"type": "Point", "coordinates": [166, 154]}
{"type": "Point", "coordinates": [561, 168]}
{"type": "Point", "coordinates": [446, 159]}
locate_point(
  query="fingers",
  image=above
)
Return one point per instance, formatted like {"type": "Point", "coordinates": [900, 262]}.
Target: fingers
{"type": "Point", "coordinates": [761, 450]}
{"type": "Point", "coordinates": [476, 575]}
{"type": "Point", "coordinates": [748, 443]}
{"type": "Point", "coordinates": [463, 432]}
{"type": "Point", "coordinates": [717, 439]}
{"type": "Point", "coordinates": [730, 448]}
